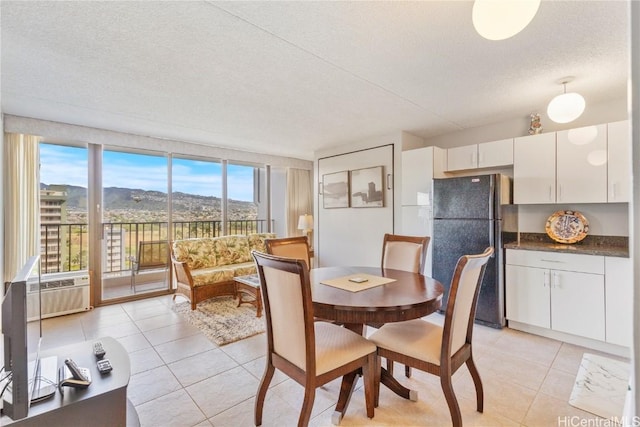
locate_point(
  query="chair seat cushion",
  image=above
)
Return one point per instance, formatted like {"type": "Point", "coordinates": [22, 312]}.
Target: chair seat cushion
{"type": "Point", "coordinates": [414, 338]}
{"type": "Point", "coordinates": [336, 346]}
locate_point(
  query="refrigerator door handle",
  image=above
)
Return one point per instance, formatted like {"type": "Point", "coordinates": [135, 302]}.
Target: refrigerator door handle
{"type": "Point", "coordinates": [492, 237]}
{"type": "Point", "coordinates": [492, 192]}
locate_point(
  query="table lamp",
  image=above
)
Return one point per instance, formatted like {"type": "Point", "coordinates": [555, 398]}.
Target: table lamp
{"type": "Point", "coordinates": [305, 223]}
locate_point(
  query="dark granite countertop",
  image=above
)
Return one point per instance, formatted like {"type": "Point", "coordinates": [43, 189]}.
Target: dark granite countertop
{"type": "Point", "coordinates": [617, 246]}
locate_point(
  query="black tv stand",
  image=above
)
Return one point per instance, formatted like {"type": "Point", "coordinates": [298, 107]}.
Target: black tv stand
{"type": "Point", "coordinates": [103, 404]}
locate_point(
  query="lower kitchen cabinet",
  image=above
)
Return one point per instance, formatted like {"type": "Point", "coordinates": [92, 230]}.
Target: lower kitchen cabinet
{"type": "Point", "coordinates": [619, 301]}
{"type": "Point", "coordinates": [557, 291]}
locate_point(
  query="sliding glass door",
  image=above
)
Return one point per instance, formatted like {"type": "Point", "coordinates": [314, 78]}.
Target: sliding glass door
{"type": "Point", "coordinates": [135, 237]}
{"type": "Point", "coordinates": [64, 238]}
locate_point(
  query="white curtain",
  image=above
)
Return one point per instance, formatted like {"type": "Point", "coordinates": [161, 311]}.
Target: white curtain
{"type": "Point", "coordinates": [21, 201]}
{"type": "Point", "coordinates": [299, 198]}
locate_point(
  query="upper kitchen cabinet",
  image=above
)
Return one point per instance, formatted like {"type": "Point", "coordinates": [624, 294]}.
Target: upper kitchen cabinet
{"type": "Point", "coordinates": [419, 167]}
{"type": "Point", "coordinates": [534, 169]}
{"type": "Point", "coordinates": [485, 155]}
{"type": "Point", "coordinates": [582, 165]}
{"type": "Point", "coordinates": [619, 161]}
{"type": "Point", "coordinates": [461, 158]}
{"type": "Point", "coordinates": [495, 153]}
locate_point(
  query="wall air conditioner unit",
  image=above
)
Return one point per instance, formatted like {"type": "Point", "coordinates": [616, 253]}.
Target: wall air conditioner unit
{"type": "Point", "coordinates": [63, 293]}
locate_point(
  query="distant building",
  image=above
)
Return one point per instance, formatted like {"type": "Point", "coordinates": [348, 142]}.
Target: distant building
{"type": "Point", "coordinates": [53, 236]}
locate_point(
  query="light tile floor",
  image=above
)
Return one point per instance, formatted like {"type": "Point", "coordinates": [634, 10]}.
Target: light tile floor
{"type": "Point", "coordinates": [180, 378]}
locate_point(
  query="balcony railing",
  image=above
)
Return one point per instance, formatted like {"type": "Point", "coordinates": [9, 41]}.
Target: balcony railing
{"type": "Point", "coordinates": [65, 246]}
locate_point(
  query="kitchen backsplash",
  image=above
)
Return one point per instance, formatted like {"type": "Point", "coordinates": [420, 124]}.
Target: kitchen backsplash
{"type": "Point", "coordinates": [610, 219]}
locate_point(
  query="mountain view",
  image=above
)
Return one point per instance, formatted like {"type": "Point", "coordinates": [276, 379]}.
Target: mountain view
{"type": "Point", "coordinates": [135, 205]}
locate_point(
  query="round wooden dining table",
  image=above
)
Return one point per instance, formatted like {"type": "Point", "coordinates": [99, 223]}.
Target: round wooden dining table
{"type": "Point", "coordinates": [408, 296]}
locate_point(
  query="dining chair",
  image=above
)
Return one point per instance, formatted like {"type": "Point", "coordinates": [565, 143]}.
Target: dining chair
{"type": "Point", "coordinates": [290, 247]}
{"type": "Point", "coordinates": [311, 353]}
{"type": "Point", "coordinates": [441, 350]}
{"type": "Point", "coordinates": [407, 253]}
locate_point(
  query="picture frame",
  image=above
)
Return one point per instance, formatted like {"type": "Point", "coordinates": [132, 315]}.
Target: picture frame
{"type": "Point", "coordinates": [366, 190]}
{"type": "Point", "coordinates": [335, 190]}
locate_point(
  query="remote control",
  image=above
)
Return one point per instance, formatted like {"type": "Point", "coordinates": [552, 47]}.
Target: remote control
{"type": "Point", "coordinates": [104, 366]}
{"type": "Point", "coordinates": [75, 371]}
{"type": "Point", "coordinates": [98, 350]}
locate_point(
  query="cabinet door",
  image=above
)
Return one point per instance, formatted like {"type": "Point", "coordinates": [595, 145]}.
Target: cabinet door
{"type": "Point", "coordinates": [619, 300]}
{"type": "Point", "coordinates": [417, 174]}
{"type": "Point", "coordinates": [460, 158]}
{"type": "Point", "coordinates": [577, 304]}
{"type": "Point", "coordinates": [534, 169]}
{"type": "Point", "coordinates": [527, 295]}
{"type": "Point", "coordinates": [619, 165]}
{"type": "Point", "coordinates": [582, 165]}
{"type": "Point", "coordinates": [495, 153]}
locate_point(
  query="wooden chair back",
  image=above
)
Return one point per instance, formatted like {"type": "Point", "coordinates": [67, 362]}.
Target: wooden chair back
{"type": "Point", "coordinates": [406, 253]}
{"type": "Point", "coordinates": [288, 307]}
{"type": "Point", "coordinates": [290, 247]}
{"type": "Point", "coordinates": [463, 298]}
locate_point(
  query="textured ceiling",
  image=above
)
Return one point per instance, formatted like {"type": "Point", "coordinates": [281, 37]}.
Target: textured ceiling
{"type": "Point", "coordinates": [291, 78]}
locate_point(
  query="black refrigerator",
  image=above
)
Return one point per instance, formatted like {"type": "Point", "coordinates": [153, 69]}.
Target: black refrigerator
{"type": "Point", "coordinates": [467, 218]}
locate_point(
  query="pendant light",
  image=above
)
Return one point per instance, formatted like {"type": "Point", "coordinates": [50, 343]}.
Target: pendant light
{"type": "Point", "coordinates": [566, 107]}
{"type": "Point", "coordinates": [501, 19]}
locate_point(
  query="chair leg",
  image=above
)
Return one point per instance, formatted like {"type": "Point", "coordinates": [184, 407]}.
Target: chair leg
{"type": "Point", "coordinates": [452, 402]}
{"type": "Point", "coordinates": [377, 372]}
{"type": "Point", "coordinates": [307, 405]}
{"type": "Point", "coordinates": [477, 382]}
{"type": "Point", "coordinates": [390, 367]}
{"type": "Point", "coordinates": [407, 371]}
{"type": "Point", "coordinates": [368, 376]}
{"type": "Point", "coordinates": [262, 392]}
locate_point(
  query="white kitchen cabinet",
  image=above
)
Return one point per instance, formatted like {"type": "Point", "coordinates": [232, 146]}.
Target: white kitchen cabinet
{"type": "Point", "coordinates": [527, 295]}
{"type": "Point", "coordinates": [534, 169]}
{"type": "Point", "coordinates": [619, 162]}
{"type": "Point", "coordinates": [495, 153]}
{"type": "Point", "coordinates": [561, 292]}
{"type": "Point", "coordinates": [461, 158]}
{"type": "Point", "coordinates": [419, 167]}
{"type": "Point", "coordinates": [484, 155]}
{"type": "Point", "coordinates": [619, 300]}
{"type": "Point", "coordinates": [417, 174]}
{"type": "Point", "coordinates": [581, 162]}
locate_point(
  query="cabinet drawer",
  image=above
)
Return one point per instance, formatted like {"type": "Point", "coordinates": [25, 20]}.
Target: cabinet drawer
{"type": "Point", "coordinates": [557, 261]}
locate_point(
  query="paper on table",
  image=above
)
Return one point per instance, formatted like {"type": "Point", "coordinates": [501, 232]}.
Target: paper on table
{"type": "Point", "coordinates": [347, 285]}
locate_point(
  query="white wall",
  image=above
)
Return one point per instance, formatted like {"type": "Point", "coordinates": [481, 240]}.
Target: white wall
{"type": "Point", "coordinates": [607, 112]}
{"type": "Point", "coordinates": [278, 200]}
{"type": "Point", "coordinates": [353, 236]}
{"type": "Point", "coordinates": [63, 132]}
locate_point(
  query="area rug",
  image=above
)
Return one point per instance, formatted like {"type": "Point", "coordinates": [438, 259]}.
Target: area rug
{"type": "Point", "coordinates": [221, 320]}
{"type": "Point", "coordinates": [601, 386]}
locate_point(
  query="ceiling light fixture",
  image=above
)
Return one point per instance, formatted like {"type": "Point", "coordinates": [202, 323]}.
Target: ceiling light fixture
{"type": "Point", "coordinates": [566, 107]}
{"type": "Point", "coordinates": [501, 19]}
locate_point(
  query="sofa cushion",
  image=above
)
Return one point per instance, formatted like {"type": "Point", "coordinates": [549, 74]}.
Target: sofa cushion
{"type": "Point", "coordinates": [243, 269]}
{"type": "Point", "coordinates": [207, 276]}
{"type": "Point", "coordinates": [256, 241]}
{"type": "Point", "coordinates": [232, 249]}
{"type": "Point", "coordinates": [197, 253]}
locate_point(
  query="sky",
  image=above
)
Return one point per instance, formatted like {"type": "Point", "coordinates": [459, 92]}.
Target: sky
{"type": "Point", "coordinates": [68, 165]}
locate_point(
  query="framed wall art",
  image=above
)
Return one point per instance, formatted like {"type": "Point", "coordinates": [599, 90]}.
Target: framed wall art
{"type": "Point", "coordinates": [335, 190]}
{"type": "Point", "coordinates": [366, 188]}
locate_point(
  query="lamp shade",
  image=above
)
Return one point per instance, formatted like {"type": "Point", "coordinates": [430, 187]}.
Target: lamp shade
{"type": "Point", "coordinates": [566, 107]}
{"type": "Point", "coordinates": [305, 222]}
{"type": "Point", "coordinates": [501, 19]}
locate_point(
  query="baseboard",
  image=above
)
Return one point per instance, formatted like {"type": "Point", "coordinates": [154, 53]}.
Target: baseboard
{"type": "Point", "coordinates": [572, 339]}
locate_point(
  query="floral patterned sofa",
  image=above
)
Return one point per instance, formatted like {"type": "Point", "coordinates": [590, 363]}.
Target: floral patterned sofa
{"type": "Point", "coordinates": [205, 267]}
